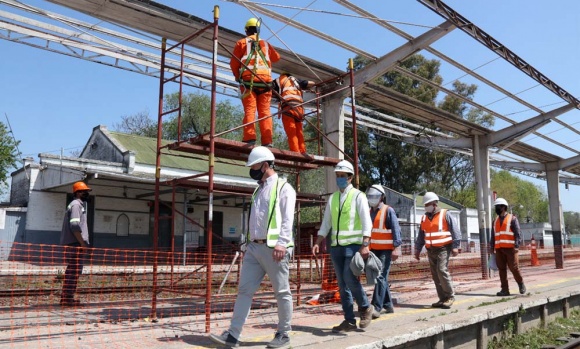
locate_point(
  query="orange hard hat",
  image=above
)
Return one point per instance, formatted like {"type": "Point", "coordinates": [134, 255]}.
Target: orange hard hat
{"type": "Point", "coordinates": [80, 186]}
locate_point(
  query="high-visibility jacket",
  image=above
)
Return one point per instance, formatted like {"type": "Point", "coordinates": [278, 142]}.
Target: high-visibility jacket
{"type": "Point", "coordinates": [381, 237]}
{"type": "Point", "coordinates": [258, 56]}
{"type": "Point", "coordinates": [274, 215]}
{"type": "Point", "coordinates": [346, 224]}
{"type": "Point", "coordinates": [292, 97]}
{"type": "Point", "coordinates": [504, 236]}
{"type": "Point", "coordinates": [436, 230]}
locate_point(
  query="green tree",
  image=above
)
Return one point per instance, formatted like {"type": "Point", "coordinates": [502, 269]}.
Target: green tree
{"type": "Point", "coordinates": [572, 222]}
{"type": "Point", "coordinates": [8, 154]}
{"type": "Point", "coordinates": [527, 201]}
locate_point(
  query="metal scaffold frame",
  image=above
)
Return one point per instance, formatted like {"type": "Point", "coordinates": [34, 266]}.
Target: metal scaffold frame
{"type": "Point", "coordinates": [214, 147]}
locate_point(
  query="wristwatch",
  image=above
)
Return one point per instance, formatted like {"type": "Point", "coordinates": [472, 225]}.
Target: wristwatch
{"type": "Point", "coordinates": [366, 243]}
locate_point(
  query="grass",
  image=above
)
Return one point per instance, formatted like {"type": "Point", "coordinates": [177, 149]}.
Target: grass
{"type": "Point", "coordinates": [501, 300]}
{"type": "Point", "coordinates": [537, 338]}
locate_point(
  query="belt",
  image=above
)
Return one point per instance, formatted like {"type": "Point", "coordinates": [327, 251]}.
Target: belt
{"type": "Point", "coordinates": [262, 241]}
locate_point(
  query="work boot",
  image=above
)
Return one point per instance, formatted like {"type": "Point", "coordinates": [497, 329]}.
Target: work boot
{"type": "Point", "coordinates": [281, 340]}
{"type": "Point", "coordinates": [387, 310]}
{"type": "Point", "coordinates": [366, 316]}
{"type": "Point", "coordinates": [376, 314]}
{"type": "Point", "coordinates": [225, 339]}
{"type": "Point", "coordinates": [250, 142]}
{"type": "Point", "coordinates": [522, 288]}
{"type": "Point", "coordinates": [503, 293]}
{"type": "Point", "coordinates": [70, 302]}
{"type": "Point", "coordinates": [448, 303]}
{"type": "Point", "coordinates": [344, 326]}
{"type": "Point", "coordinates": [437, 304]}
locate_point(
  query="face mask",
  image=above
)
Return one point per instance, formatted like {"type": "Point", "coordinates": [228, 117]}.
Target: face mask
{"type": "Point", "coordinates": [256, 174]}
{"type": "Point", "coordinates": [85, 196]}
{"type": "Point", "coordinates": [342, 182]}
{"type": "Point", "coordinates": [429, 209]}
{"type": "Point", "coordinates": [498, 211]}
{"type": "Point", "coordinates": [374, 201]}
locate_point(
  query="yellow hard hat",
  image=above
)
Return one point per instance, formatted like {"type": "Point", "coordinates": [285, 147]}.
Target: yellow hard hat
{"type": "Point", "coordinates": [252, 22]}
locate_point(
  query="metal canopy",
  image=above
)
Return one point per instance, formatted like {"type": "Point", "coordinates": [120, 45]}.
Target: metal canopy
{"type": "Point", "coordinates": [161, 20]}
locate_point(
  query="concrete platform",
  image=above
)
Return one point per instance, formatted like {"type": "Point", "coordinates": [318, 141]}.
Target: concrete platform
{"type": "Point", "coordinates": [476, 317]}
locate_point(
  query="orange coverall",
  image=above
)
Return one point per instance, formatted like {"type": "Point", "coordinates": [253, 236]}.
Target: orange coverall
{"type": "Point", "coordinates": [256, 95]}
{"type": "Point", "coordinates": [290, 89]}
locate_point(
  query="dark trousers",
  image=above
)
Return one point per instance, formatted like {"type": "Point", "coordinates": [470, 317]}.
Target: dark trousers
{"type": "Point", "coordinates": [508, 258]}
{"type": "Point", "coordinates": [382, 293]}
{"type": "Point", "coordinates": [74, 259]}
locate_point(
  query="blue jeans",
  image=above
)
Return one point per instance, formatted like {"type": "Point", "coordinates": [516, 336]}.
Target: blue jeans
{"type": "Point", "coordinates": [382, 293]}
{"type": "Point", "coordinates": [349, 285]}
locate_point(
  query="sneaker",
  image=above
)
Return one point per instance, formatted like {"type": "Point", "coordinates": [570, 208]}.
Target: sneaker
{"type": "Point", "coordinates": [70, 302]}
{"type": "Point", "coordinates": [448, 303]}
{"type": "Point", "coordinates": [522, 288]}
{"type": "Point", "coordinates": [344, 326]}
{"type": "Point", "coordinates": [376, 314]}
{"type": "Point", "coordinates": [503, 293]}
{"type": "Point", "coordinates": [438, 304]}
{"type": "Point", "coordinates": [388, 310]}
{"type": "Point", "coordinates": [281, 340]}
{"type": "Point", "coordinates": [225, 339]}
{"type": "Point", "coordinates": [366, 317]}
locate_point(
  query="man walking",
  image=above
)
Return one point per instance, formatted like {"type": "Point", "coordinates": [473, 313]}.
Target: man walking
{"type": "Point", "coordinates": [255, 76]}
{"type": "Point", "coordinates": [505, 242]}
{"type": "Point", "coordinates": [269, 244]}
{"type": "Point", "coordinates": [385, 244]}
{"type": "Point", "coordinates": [347, 218]}
{"type": "Point", "coordinates": [75, 236]}
{"type": "Point", "coordinates": [440, 235]}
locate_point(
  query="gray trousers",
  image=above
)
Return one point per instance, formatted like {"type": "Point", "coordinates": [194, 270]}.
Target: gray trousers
{"type": "Point", "coordinates": [258, 262]}
{"type": "Point", "coordinates": [438, 262]}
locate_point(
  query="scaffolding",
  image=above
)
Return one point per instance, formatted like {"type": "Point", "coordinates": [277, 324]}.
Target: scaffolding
{"type": "Point", "coordinates": [213, 147]}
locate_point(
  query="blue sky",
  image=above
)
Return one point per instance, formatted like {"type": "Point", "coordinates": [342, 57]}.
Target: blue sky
{"type": "Point", "coordinates": [54, 101]}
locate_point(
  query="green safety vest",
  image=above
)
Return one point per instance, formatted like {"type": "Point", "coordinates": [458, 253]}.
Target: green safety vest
{"type": "Point", "coordinates": [346, 224]}
{"type": "Point", "coordinates": [274, 216]}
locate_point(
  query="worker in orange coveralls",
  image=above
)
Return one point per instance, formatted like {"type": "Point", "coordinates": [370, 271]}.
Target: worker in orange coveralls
{"type": "Point", "coordinates": [292, 111]}
{"type": "Point", "coordinates": [255, 78]}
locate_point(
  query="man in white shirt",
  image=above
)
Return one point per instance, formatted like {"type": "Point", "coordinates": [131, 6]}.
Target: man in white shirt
{"type": "Point", "coordinates": [348, 219]}
{"type": "Point", "coordinates": [269, 245]}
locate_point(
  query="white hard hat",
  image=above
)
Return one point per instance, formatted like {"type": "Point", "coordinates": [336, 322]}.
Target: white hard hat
{"type": "Point", "coordinates": [344, 166]}
{"type": "Point", "coordinates": [259, 154]}
{"type": "Point", "coordinates": [500, 201]}
{"type": "Point", "coordinates": [429, 197]}
{"type": "Point", "coordinates": [376, 189]}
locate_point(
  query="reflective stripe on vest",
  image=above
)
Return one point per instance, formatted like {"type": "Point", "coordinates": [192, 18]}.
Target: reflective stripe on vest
{"type": "Point", "coordinates": [437, 232]}
{"type": "Point", "coordinates": [504, 236]}
{"type": "Point", "coordinates": [290, 90]}
{"type": "Point", "coordinates": [381, 237]}
{"type": "Point", "coordinates": [346, 224]}
{"type": "Point", "coordinates": [274, 215]}
{"type": "Point", "coordinates": [257, 59]}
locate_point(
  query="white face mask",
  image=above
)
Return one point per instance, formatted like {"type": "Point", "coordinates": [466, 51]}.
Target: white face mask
{"type": "Point", "coordinates": [429, 209]}
{"type": "Point", "coordinates": [374, 202]}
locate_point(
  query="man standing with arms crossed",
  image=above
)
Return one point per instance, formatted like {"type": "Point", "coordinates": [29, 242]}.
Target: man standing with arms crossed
{"type": "Point", "coordinates": [441, 237]}
{"type": "Point", "coordinates": [385, 244]}
{"type": "Point", "coordinates": [75, 236]}
{"type": "Point", "coordinates": [347, 219]}
{"type": "Point", "coordinates": [269, 244]}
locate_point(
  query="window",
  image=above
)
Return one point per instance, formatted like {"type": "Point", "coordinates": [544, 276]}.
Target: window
{"type": "Point", "coordinates": [122, 225]}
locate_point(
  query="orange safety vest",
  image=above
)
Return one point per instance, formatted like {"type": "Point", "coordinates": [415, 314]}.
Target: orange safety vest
{"type": "Point", "coordinates": [436, 230]}
{"type": "Point", "coordinates": [504, 236]}
{"type": "Point", "coordinates": [257, 59]}
{"type": "Point", "coordinates": [291, 97]}
{"type": "Point", "coordinates": [381, 237]}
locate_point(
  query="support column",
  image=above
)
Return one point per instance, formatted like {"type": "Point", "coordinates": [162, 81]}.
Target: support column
{"type": "Point", "coordinates": [333, 128]}
{"type": "Point", "coordinates": [481, 170]}
{"type": "Point", "coordinates": [555, 214]}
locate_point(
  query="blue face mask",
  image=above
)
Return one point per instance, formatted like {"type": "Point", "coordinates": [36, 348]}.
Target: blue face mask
{"type": "Point", "coordinates": [342, 182]}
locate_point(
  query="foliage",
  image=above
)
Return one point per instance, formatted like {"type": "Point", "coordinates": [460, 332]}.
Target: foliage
{"type": "Point", "coordinates": [527, 201]}
{"type": "Point", "coordinates": [8, 153]}
{"type": "Point", "coordinates": [138, 124]}
{"type": "Point", "coordinates": [572, 222]}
